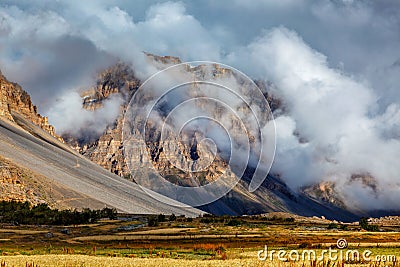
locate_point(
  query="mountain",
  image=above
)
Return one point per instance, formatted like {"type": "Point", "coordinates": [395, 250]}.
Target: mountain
{"type": "Point", "coordinates": [37, 166]}
{"type": "Point", "coordinates": [14, 99]}
{"type": "Point", "coordinates": [107, 151]}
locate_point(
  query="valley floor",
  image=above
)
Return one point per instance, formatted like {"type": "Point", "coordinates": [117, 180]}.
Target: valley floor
{"type": "Point", "coordinates": [207, 241]}
{"type": "Point", "coordinates": [99, 261]}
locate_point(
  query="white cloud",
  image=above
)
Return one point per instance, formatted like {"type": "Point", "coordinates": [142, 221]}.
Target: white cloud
{"type": "Point", "coordinates": [349, 116]}
{"type": "Point", "coordinates": [332, 112]}
{"type": "Point", "coordinates": [69, 117]}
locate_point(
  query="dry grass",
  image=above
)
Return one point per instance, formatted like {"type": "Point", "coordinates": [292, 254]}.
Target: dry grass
{"type": "Point", "coordinates": [161, 231]}
{"type": "Point", "coordinates": [21, 231]}
{"type": "Point", "coordinates": [92, 261]}
{"type": "Point", "coordinates": [167, 237]}
{"type": "Point", "coordinates": [89, 261]}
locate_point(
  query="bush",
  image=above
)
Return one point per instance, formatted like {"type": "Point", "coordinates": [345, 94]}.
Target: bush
{"type": "Point", "coordinates": [289, 219]}
{"type": "Point", "coordinates": [279, 219]}
{"type": "Point", "coordinates": [161, 218]}
{"type": "Point", "coordinates": [234, 222]}
{"type": "Point", "coordinates": [152, 221]}
{"type": "Point", "coordinates": [206, 220]}
{"type": "Point", "coordinates": [368, 227]}
{"type": "Point", "coordinates": [332, 226]}
{"type": "Point", "coordinates": [172, 217]}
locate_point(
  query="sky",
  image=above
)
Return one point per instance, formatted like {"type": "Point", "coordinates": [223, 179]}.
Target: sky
{"type": "Point", "coordinates": [334, 63]}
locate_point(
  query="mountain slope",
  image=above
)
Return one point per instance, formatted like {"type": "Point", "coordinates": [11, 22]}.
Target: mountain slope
{"type": "Point", "coordinates": [72, 180]}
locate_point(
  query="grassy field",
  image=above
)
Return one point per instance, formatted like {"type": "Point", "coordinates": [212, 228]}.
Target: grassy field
{"type": "Point", "coordinates": [97, 261]}
{"type": "Point", "coordinates": [215, 241]}
{"type": "Point", "coordinates": [82, 260]}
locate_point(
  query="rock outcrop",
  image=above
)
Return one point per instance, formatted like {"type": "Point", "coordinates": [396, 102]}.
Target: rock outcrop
{"type": "Point", "coordinates": [107, 150]}
{"type": "Point", "coordinates": [12, 186]}
{"type": "Point", "coordinates": [14, 99]}
{"type": "Point", "coordinates": [325, 192]}
{"type": "Point", "coordinates": [20, 184]}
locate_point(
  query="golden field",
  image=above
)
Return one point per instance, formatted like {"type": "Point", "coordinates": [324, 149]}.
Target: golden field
{"type": "Point", "coordinates": [216, 241]}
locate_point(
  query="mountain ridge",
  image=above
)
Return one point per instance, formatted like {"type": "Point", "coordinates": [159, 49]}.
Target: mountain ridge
{"type": "Point", "coordinates": [274, 195]}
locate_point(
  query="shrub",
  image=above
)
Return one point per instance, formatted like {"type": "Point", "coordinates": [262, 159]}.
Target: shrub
{"type": "Point", "coordinates": [234, 222]}
{"type": "Point", "coordinates": [206, 220]}
{"type": "Point", "coordinates": [161, 218]}
{"type": "Point", "coordinates": [332, 226]}
{"type": "Point", "coordinates": [152, 221]}
{"type": "Point", "coordinates": [172, 217]}
{"type": "Point", "coordinates": [368, 227]}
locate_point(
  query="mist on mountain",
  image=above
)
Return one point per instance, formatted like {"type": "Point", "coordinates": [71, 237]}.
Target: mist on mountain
{"type": "Point", "coordinates": [333, 64]}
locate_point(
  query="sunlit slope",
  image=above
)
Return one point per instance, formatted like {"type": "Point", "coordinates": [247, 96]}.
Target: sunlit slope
{"type": "Point", "coordinates": [32, 148]}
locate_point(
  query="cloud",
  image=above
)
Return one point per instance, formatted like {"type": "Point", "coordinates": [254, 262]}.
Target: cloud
{"type": "Point", "coordinates": [41, 53]}
{"type": "Point", "coordinates": [332, 62]}
{"type": "Point", "coordinates": [70, 117]}
{"type": "Point", "coordinates": [332, 112]}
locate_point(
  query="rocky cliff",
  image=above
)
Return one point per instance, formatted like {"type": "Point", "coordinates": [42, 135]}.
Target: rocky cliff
{"type": "Point", "coordinates": [13, 185]}
{"type": "Point", "coordinates": [13, 99]}
{"type": "Point", "coordinates": [108, 152]}
{"type": "Point", "coordinates": [20, 184]}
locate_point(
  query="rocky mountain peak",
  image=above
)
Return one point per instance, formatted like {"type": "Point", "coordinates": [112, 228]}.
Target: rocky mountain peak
{"type": "Point", "coordinates": [162, 62]}
{"type": "Point", "coordinates": [117, 79]}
